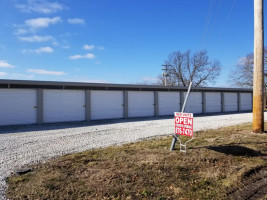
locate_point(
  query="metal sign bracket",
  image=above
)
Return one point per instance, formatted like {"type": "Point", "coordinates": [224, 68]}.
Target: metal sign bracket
{"type": "Point", "coordinates": [183, 146]}
{"type": "Point", "coordinates": [176, 137]}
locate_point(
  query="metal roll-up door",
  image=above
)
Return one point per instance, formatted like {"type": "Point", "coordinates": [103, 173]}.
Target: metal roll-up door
{"type": "Point", "coordinates": [230, 102]}
{"type": "Point", "coordinates": [18, 106]}
{"type": "Point", "coordinates": [106, 104]}
{"type": "Point", "coordinates": [169, 102]}
{"type": "Point", "coordinates": [213, 102]}
{"type": "Point", "coordinates": [64, 105]}
{"type": "Point", "coordinates": [194, 102]}
{"type": "Point", "coordinates": [246, 101]}
{"type": "Point", "coordinates": [140, 104]}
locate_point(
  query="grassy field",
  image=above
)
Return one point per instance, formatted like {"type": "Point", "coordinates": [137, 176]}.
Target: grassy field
{"type": "Point", "coordinates": [227, 163]}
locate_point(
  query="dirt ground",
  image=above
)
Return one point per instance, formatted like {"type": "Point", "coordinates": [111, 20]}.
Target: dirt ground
{"type": "Point", "coordinates": [25, 145]}
{"type": "Point", "coordinates": [227, 163]}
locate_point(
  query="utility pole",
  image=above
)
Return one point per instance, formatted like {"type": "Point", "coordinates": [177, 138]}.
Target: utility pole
{"type": "Point", "coordinates": [258, 115]}
{"type": "Point", "coordinates": [165, 74]}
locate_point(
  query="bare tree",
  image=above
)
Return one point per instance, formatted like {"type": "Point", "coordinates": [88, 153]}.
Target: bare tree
{"type": "Point", "coordinates": [170, 81]}
{"type": "Point", "coordinates": [242, 75]}
{"type": "Point", "coordinates": [196, 68]}
{"type": "Point", "coordinates": [161, 80]}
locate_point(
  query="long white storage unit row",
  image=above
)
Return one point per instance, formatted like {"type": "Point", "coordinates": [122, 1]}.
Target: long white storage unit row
{"type": "Point", "coordinates": [32, 106]}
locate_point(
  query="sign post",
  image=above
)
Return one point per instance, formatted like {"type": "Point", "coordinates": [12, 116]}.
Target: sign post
{"type": "Point", "coordinates": [175, 136]}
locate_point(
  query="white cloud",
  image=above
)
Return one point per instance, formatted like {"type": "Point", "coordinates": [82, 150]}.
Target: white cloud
{"type": "Point", "coordinates": [55, 43]}
{"type": "Point", "coordinates": [85, 80]}
{"type": "Point", "coordinates": [4, 64]}
{"type": "Point", "coordinates": [89, 56]}
{"type": "Point", "coordinates": [42, 22]}
{"type": "Point", "coordinates": [91, 47]}
{"type": "Point", "coordinates": [76, 21]}
{"type": "Point", "coordinates": [75, 57]}
{"type": "Point", "coordinates": [148, 80]}
{"type": "Point", "coordinates": [3, 73]}
{"type": "Point", "coordinates": [21, 31]}
{"type": "Point", "coordinates": [36, 38]}
{"type": "Point", "coordinates": [39, 50]}
{"type": "Point", "coordinates": [41, 6]}
{"type": "Point", "coordinates": [65, 46]}
{"type": "Point", "coordinates": [86, 56]}
{"type": "Point", "coordinates": [46, 72]}
{"type": "Point", "coordinates": [21, 76]}
{"type": "Point", "coordinates": [44, 50]}
{"type": "Point", "coordinates": [88, 47]}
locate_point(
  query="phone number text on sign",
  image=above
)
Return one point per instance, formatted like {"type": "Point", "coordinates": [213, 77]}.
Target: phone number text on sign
{"type": "Point", "coordinates": [184, 124]}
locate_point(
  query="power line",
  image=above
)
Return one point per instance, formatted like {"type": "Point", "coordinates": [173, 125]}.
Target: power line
{"type": "Point", "coordinates": [210, 11]}
{"type": "Point", "coordinates": [206, 22]}
{"type": "Point", "coordinates": [213, 24]}
{"type": "Point", "coordinates": [227, 20]}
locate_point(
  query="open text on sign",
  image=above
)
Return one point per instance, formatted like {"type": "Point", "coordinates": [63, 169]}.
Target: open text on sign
{"type": "Point", "coordinates": [184, 124]}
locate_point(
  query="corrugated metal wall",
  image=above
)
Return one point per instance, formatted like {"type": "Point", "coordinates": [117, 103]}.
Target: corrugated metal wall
{"type": "Point", "coordinates": [63, 105]}
{"type": "Point", "coordinates": [106, 105]}
{"type": "Point", "coordinates": [213, 102]}
{"type": "Point", "coordinates": [141, 104]}
{"type": "Point", "coordinates": [194, 103]}
{"type": "Point", "coordinates": [19, 106]}
{"type": "Point", "coordinates": [245, 101]}
{"type": "Point", "coordinates": [169, 102]}
{"type": "Point", "coordinates": [231, 102]}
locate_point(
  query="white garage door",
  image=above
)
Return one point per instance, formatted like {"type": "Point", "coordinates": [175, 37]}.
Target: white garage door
{"type": "Point", "coordinates": [18, 106]}
{"type": "Point", "coordinates": [194, 102]}
{"type": "Point", "coordinates": [213, 102]}
{"type": "Point", "coordinates": [106, 104]}
{"type": "Point", "coordinates": [140, 104]}
{"type": "Point", "coordinates": [64, 105]}
{"type": "Point", "coordinates": [169, 102]}
{"type": "Point", "coordinates": [230, 102]}
{"type": "Point", "coordinates": [246, 101]}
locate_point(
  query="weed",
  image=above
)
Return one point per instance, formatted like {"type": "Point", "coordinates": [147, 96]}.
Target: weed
{"type": "Point", "coordinates": [216, 160]}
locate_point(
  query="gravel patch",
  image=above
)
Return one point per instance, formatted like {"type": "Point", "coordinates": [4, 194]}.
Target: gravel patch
{"type": "Point", "coordinates": [24, 145]}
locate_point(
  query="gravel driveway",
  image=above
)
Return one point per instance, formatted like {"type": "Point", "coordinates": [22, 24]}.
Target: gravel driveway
{"type": "Point", "coordinates": [31, 144]}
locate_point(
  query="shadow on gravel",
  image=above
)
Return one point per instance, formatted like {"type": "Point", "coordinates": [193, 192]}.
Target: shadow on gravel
{"type": "Point", "coordinates": [235, 150]}
{"type": "Point", "coordinates": [64, 125]}
{"type": "Point", "coordinates": [77, 124]}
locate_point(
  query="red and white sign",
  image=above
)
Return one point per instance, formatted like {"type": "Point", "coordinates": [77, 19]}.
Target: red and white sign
{"type": "Point", "coordinates": [184, 124]}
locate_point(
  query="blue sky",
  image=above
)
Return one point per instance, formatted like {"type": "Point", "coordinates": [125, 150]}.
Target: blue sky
{"type": "Point", "coordinates": [118, 41]}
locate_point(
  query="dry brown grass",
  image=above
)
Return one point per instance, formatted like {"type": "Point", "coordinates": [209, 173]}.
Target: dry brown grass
{"type": "Point", "coordinates": [216, 160]}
